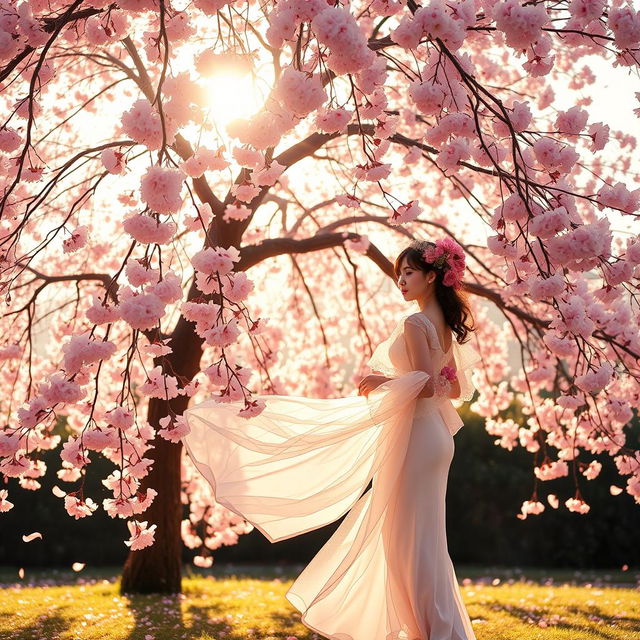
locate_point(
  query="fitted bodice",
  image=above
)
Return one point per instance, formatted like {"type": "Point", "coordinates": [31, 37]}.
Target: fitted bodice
{"type": "Point", "coordinates": [391, 357]}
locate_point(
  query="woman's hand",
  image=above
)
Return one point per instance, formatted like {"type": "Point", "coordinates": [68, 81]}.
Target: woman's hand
{"type": "Point", "coordinates": [369, 383]}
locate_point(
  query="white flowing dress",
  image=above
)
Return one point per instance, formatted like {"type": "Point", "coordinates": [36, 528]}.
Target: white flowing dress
{"type": "Point", "coordinates": [385, 573]}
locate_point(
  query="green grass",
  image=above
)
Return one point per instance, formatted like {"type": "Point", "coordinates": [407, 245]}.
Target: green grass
{"type": "Point", "coordinates": [237, 603]}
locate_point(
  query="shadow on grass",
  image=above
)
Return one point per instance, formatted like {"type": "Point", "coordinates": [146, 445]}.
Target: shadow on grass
{"type": "Point", "coordinates": [524, 615]}
{"type": "Point", "coordinates": [169, 616]}
{"type": "Point", "coordinates": [164, 618]}
{"type": "Point", "coordinates": [627, 623]}
{"type": "Point", "coordinates": [286, 624]}
{"type": "Point", "coordinates": [153, 613]}
{"type": "Point", "coordinates": [49, 626]}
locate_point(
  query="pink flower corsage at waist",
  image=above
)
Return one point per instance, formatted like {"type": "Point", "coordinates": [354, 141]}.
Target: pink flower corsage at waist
{"type": "Point", "coordinates": [443, 381]}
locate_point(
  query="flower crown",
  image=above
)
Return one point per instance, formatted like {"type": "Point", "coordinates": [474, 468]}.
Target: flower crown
{"type": "Point", "coordinates": [448, 256]}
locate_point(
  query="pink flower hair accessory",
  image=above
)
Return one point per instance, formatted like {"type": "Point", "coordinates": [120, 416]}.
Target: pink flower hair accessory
{"type": "Point", "coordinates": [448, 256]}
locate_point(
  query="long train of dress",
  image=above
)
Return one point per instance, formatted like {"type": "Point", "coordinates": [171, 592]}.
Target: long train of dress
{"type": "Point", "coordinates": [385, 573]}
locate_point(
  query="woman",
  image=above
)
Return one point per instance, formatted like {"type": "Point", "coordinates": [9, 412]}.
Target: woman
{"type": "Point", "coordinates": [385, 573]}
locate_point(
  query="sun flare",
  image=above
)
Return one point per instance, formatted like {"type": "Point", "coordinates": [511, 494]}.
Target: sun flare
{"type": "Point", "coordinates": [232, 96]}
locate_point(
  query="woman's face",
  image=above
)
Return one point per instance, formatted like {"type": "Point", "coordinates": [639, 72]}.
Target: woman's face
{"type": "Point", "coordinates": [413, 283]}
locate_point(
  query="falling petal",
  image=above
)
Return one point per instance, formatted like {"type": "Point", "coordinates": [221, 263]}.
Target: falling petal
{"type": "Point", "coordinates": [32, 536]}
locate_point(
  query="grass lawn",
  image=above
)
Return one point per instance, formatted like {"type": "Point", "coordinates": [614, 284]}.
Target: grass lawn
{"type": "Point", "coordinates": [238, 603]}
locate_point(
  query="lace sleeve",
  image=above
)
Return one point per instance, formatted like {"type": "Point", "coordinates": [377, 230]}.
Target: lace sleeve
{"type": "Point", "coordinates": [466, 359]}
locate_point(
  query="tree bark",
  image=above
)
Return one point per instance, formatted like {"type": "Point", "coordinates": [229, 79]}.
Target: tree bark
{"type": "Point", "coordinates": [157, 568]}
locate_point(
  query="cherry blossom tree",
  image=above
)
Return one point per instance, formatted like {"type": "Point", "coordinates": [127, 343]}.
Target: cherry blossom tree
{"type": "Point", "coordinates": [174, 249]}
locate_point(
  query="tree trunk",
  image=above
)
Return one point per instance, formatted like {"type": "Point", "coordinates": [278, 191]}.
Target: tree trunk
{"type": "Point", "coordinates": [157, 568]}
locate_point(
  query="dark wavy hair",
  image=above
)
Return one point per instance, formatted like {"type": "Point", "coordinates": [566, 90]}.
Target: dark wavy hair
{"type": "Point", "coordinates": [452, 301]}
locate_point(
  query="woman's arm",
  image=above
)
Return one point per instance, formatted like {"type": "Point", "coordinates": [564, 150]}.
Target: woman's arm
{"type": "Point", "coordinates": [371, 382]}
{"type": "Point", "coordinates": [419, 354]}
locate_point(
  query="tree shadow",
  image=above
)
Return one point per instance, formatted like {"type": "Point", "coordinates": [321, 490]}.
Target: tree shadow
{"type": "Point", "coordinates": [215, 617]}
{"type": "Point", "coordinates": [628, 623]}
{"type": "Point", "coordinates": [522, 615]}
{"type": "Point", "coordinates": [48, 626]}
{"type": "Point", "coordinates": [154, 612]}
{"type": "Point", "coordinates": [287, 626]}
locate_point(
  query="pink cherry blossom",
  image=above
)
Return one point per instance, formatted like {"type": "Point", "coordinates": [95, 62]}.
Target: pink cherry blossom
{"type": "Point", "coordinates": [79, 508]}
{"type": "Point", "coordinates": [263, 130]}
{"type": "Point", "coordinates": [624, 22]}
{"type": "Point", "coordinates": [247, 157]}
{"type": "Point", "coordinates": [169, 289]}
{"type": "Point", "coordinates": [577, 505]}
{"type": "Point", "coordinates": [619, 197]}
{"type": "Point", "coordinates": [406, 212]}
{"type": "Point", "coordinates": [236, 212]}
{"type": "Point", "coordinates": [120, 418]}
{"type": "Point", "coordinates": [5, 505]}
{"type": "Point", "coordinates": [267, 176]}
{"type": "Point", "coordinates": [160, 385]}
{"type": "Point", "coordinates": [599, 134]}
{"type": "Point", "coordinates": [142, 311]}
{"type": "Point", "coordinates": [245, 192]}
{"type": "Point", "coordinates": [113, 161]}
{"type": "Point", "coordinates": [333, 120]}
{"type": "Point", "coordinates": [592, 470]}
{"type": "Point", "coordinates": [173, 429]}
{"type": "Point", "coordinates": [138, 274]}
{"type": "Point", "coordinates": [77, 240]}
{"type": "Point", "coordinates": [530, 507]}
{"type": "Point", "coordinates": [218, 259]}
{"type": "Point", "coordinates": [350, 201]}
{"type": "Point", "coordinates": [59, 389]}
{"type": "Point", "coordinates": [548, 224]}
{"type": "Point", "coordinates": [141, 536]}
{"type": "Point", "coordinates": [236, 287]}
{"type": "Point", "coordinates": [521, 24]}
{"type": "Point", "coordinates": [160, 189]}
{"type": "Point", "coordinates": [253, 408]}
{"type": "Point", "coordinates": [336, 28]}
{"type": "Point", "coordinates": [10, 140]}
{"type": "Point", "coordinates": [552, 470]}
{"type": "Point", "coordinates": [572, 121]}
{"type": "Point", "coordinates": [148, 230]}
{"type": "Point", "coordinates": [73, 453]}
{"type": "Point", "coordinates": [594, 381]}
{"type": "Point", "coordinates": [81, 350]}
{"type": "Point", "coordinates": [300, 93]}
{"type": "Point", "coordinates": [223, 334]}
{"type": "Point", "coordinates": [142, 124]}
{"type": "Point", "coordinates": [372, 171]}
